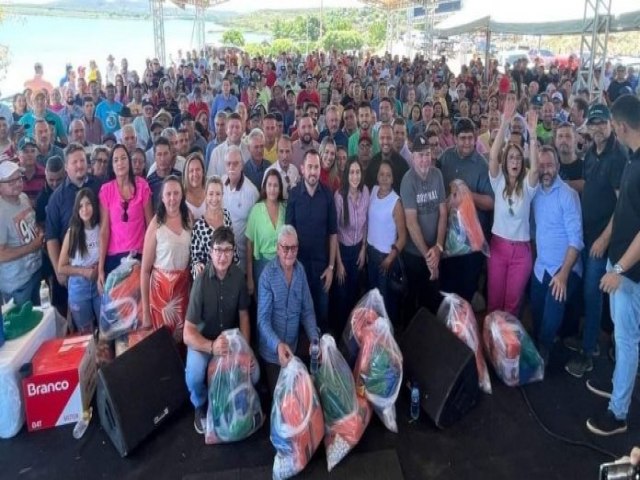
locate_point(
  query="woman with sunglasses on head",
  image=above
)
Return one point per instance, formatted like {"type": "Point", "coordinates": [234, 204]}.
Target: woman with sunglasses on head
{"type": "Point", "coordinates": [125, 212]}
{"type": "Point", "coordinates": [164, 280]}
{"type": "Point", "coordinates": [511, 259]}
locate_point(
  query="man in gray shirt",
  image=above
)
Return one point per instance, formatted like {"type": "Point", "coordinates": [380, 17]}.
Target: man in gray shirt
{"type": "Point", "coordinates": [425, 208]}
{"type": "Point", "coordinates": [462, 161]}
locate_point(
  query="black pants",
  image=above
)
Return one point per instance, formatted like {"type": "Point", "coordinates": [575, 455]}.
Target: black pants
{"type": "Point", "coordinates": [423, 292]}
{"type": "Point", "coordinates": [460, 275]}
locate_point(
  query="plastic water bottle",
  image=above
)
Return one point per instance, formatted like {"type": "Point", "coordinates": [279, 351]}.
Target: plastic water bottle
{"type": "Point", "coordinates": [82, 425]}
{"type": "Point", "coordinates": [415, 402]}
{"type": "Point", "coordinates": [315, 356]}
{"type": "Point", "coordinates": [45, 297]}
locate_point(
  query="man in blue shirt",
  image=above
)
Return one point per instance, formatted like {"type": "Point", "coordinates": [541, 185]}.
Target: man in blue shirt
{"type": "Point", "coordinates": [107, 111]}
{"type": "Point", "coordinates": [59, 211]}
{"type": "Point", "coordinates": [311, 211]}
{"type": "Point", "coordinates": [557, 270]}
{"type": "Point", "coordinates": [284, 302]}
{"type": "Point", "coordinates": [222, 101]}
{"type": "Point", "coordinates": [255, 167]}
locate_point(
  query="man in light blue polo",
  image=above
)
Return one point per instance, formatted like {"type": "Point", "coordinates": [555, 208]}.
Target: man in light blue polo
{"type": "Point", "coordinates": [284, 303]}
{"type": "Point", "coordinates": [558, 270]}
{"type": "Point", "coordinates": [107, 111]}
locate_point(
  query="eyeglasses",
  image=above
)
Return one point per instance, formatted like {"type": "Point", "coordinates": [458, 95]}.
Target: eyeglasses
{"type": "Point", "coordinates": [13, 181]}
{"type": "Point", "coordinates": [223, 251]}
{"type": "Point", "coordinates": [289, 248]}
{"type": "Point", "coordinates": [510, 202]}
{"type": "Point", "coordinates": [125, 211]}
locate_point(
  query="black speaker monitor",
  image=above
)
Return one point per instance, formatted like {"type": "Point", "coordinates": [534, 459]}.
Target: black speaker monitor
{"type": "Point", "coordinates": [443, 366]}
{"type": "Point", "coordinates": [140, 389]}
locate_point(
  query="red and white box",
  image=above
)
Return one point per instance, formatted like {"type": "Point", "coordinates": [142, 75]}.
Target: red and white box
{"type": "Point", "coordinates": [62, 382]}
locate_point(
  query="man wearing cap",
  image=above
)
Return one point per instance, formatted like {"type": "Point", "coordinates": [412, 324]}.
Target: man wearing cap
{"type": "Point", "coordinates": [43, 140]}
{"type": "Point", "coordinates": [37, 82]}
{"type": "Point", "coordinates": [603, 166]}
{"type": "Point", "coordinates": [309, 94]}
{"type": "Point", "coordinates": [40, 112]}
{"type": "Point", "coordinates": [387, 153]}
{"type": "Point", "coordinates": [111, 71]}
{"type": "Point", "coordinates": [142, 123]}
{"type": "Point", "coordinates": [20, 240]}
{"type": "Point", "coordinates": [33, 175]}
{"type": "Point", "coordinates": [92, 125]}
{"type": "Point", "coordinates": [365, 119]}
{"type": "Point", "coordinates": [425, 206]}
{"type": "Point", "coordinates": [618, 84]}
{"type": "Point", "coordinates": [622, 280]}
{"type": "Point", "coordinates": [108, 109]}
{"type": "Point", "coordinates": [558, 112]}
{"type": "Point", "coordinates": [224, 100]}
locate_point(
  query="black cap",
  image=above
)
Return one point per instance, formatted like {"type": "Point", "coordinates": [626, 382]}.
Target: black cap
{"type": "Point", "coordinates": [420, 143]}
{"type": "Point", "coordinates": [598, 111]}
{"type": "Point", "coordinates": [125, 112]}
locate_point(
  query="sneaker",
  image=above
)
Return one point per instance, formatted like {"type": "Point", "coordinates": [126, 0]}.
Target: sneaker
{"type": "Point", "coordinates": [575, 345]}
{"type": "Point", "coordinates": [579, 365]}
{"type": "Point", "coordinates": [199, 420]}
{"type": "Point", "coordinates": [606, 424]}
{"type": "Point", "coordinates": [602, 389]}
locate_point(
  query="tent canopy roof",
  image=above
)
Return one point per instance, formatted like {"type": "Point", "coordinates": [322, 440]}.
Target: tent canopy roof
{"type": "Point", "coordinates": [544, 17]}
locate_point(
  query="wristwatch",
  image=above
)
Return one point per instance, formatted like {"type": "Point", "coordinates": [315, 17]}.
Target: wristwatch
{"type": "Point", "coordinates": [617, 268]}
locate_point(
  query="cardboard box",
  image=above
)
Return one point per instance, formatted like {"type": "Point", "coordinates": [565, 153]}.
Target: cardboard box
{"type": "Point", "coordinates": [62, 382]}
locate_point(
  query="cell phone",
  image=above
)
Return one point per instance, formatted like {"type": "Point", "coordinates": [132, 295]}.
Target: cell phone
{"type": "Point", "coordinates": [619, 471]}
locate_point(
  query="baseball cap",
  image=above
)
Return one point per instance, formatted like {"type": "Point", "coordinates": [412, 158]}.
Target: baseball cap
{"type": "Point", "coordinates": [147, 103]}
{"type": "Point", "coordinates": [598, 111]}
{"type": "Point", "coordinates": [427, 101]}
{"type": "Point", "coordinates": [309, 78]}
{"type": "Point", "coordinates": [420, 143]}
{"type": "Point", "coordinates": [24, 141]}
{"type": "Point", "coordinates": [8, 169]}
{"type": "Point", "coordinates": [125, 112]}
{"type": "Point", "coordinates": [557, 96]}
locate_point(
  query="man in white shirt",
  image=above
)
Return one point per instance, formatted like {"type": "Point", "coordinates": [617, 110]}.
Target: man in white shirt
{"type": "Point", "coordinates": [216, 164]}
{"type": "Point", "coordinates": [288, 172]}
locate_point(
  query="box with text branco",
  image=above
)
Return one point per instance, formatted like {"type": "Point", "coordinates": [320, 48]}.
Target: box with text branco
{"type": "Point", "coordinates": [62, 382]}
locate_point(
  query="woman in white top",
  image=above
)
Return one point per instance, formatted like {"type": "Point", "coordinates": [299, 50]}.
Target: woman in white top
{"type": "Point", "coordinates": [386, 236]}
{"type": "Point", "coordinates": [78, 260]}
{"type": "Point", "coordinates": [165, 262]}
{"type": "Point", "coordinates": [511, 260]}
{"type": "Point", "coordinates": [194, 179]}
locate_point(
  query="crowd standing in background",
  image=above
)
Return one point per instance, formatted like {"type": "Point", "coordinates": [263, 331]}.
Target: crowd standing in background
{"type": "Point", "coordinates": [269, 193]}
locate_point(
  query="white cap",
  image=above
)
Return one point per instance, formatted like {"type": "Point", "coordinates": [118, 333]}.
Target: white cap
{"type": "Point", "coordinates": [8, 168]}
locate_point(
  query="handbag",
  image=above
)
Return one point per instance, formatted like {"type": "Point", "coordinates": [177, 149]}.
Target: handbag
{"type": "Point", "coordinates": [397, 281]}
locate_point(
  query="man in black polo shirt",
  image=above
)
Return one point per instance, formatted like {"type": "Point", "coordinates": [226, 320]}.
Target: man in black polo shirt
{"type": "Point", "coordinates": [218, 301]}
{"type": "Point", "coordinates": [388, 154]}
{"type": "Point", "coordinates": [59, 211]}
{"type": "Point", "coordinates": [603, 166]}
{"type": "Point", "coordinates": [311, 211]}
{"type": "Point", "coordinates": [622, 280]}
{"type": "Point", "coordinates": [462, 161]}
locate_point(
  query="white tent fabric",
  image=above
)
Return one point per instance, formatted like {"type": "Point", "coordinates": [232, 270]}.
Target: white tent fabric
{"type": "Point", "coordinates": [543, 17]}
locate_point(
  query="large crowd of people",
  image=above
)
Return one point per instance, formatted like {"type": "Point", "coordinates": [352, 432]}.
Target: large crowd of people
{"type": "Point", "coordinates": [269, 193]}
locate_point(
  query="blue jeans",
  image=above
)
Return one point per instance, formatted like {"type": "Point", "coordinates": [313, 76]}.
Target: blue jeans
{"type": "Point", "coordinates": [594, 269]}
{"type": "Point", "coordinates": [30, 291]}
{"type": "Point", "coordinates": [84, 303]}
{"type": "Point", "coordinates": [379, 280]}
{"type": "Point", "coordinates": [195, 376]}
{"type": "Point", "coordinates": [320, 298]}
{"type": "Point", "coordinates": [548, 313]}
{"type": "Point", "coordinates": [346, 295]}
{"type": "Point", "coordinates": [625, 312]}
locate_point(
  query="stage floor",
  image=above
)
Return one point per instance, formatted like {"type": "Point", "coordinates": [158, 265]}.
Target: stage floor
{"type": "Point", "coordinates": [498, 439]}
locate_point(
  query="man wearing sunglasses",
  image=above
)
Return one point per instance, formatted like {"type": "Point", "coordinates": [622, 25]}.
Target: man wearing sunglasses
{"type": "Point", "coordinates": [284, 303]}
